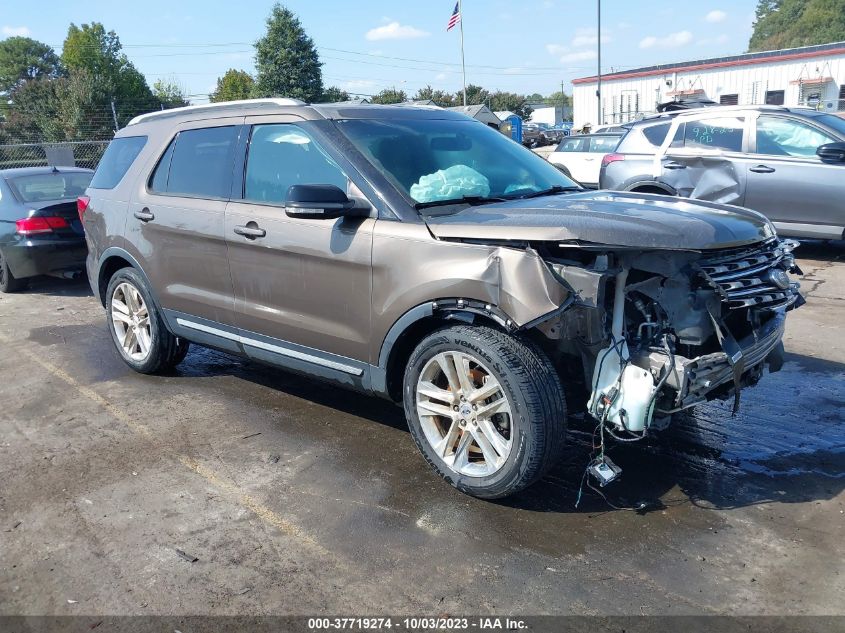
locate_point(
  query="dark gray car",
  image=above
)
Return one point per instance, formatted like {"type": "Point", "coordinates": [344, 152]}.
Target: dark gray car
{"type": "Point", "coordinates": [787, 163]}
{"type": "Point", "coordinates": [419, 255]}
{"type": "Point", "coordinates": [40, 229]}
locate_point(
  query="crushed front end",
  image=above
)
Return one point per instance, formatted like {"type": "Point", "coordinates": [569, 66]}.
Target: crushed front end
{"type": "Point", "coordinates": [659, 331]}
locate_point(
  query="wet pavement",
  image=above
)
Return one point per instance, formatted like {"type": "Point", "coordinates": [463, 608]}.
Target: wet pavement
{"type": "Point", "coordinates": [298, 498]}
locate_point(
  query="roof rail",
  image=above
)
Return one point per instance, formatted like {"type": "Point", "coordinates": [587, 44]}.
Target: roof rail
{"type": "Point", "coordinates": [211, 107]}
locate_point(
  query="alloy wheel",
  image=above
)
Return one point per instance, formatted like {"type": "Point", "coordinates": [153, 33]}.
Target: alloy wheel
{"type": "Point", "coordinates": [465, 414]}
{"type": "Point", "coordinates": [131, 320]}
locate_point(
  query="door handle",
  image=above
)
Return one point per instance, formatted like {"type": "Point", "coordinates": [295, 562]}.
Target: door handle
{"type": "Point", "coordinates": [250, 231]}
{"type": "Point", "coordinates": [762, 169]}
{"type": "Point", "coordinates": [145, 215]}
{"type": "Point", "coordinates": [674, 165]}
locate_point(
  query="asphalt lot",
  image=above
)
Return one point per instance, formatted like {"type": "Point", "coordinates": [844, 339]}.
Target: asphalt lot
{"type": "Point", "coordinates": [297, 498]}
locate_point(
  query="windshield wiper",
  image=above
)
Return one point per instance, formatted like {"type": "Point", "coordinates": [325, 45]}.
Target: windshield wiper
{"type": "Point", "coordinates": [470, 200]}
{"type": "Point", "coordinates": [551, 191]}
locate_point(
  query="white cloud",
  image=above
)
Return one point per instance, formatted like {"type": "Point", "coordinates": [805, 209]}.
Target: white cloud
{"type": "Point", "coordinates": [589, 37]}
{"type": "Point", "coordinates": [556, 49]}
{"type": "Point", "coordinates": [716, 16]}
{"type": "Point", "coordinates": [440, 76]}
{"type": "Point", "coordinates": [673, 40]}
{"type": "Point", "coordinates": [578, 56]}
{"type": "Point", "coordinates": [395, 31]}
{"type": "Point", "coordinates": [360, 85]}
{"type": "Point", "coordinates": [11, 31]}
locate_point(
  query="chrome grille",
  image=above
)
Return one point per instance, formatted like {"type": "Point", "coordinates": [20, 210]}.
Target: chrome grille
{"type": "Point", "coordinates": [743, 277]}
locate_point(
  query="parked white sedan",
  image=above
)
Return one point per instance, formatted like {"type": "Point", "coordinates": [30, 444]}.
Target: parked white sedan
{"type": "Point", "coordinates": [579, 157]}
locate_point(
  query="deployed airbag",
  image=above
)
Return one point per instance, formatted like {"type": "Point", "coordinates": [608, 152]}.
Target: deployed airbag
{"type": "Point", "coordinates": [450, 184]}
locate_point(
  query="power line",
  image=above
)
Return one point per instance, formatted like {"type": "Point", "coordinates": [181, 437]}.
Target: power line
{"type": "Point", "coordinates": [440, 63]}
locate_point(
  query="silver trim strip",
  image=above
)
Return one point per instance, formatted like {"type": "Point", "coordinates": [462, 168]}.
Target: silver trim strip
{"type": "Point", "coordinates": [276, 349]}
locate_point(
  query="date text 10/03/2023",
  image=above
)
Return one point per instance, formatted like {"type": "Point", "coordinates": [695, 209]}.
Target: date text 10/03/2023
{"type": "Point", "coordinates": [417, 623]}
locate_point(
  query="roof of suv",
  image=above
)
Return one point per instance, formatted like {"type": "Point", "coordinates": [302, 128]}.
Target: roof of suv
{"type": "Point", "coordinates": [721, 109]}
{"type": "Point", "coordinates": [14, 172]}
{"type": "Point", "coordinates": [300, 108]}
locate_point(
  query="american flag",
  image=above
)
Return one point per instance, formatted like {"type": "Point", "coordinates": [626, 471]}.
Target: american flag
{"type": "Point", "coordinates": [456, 17]}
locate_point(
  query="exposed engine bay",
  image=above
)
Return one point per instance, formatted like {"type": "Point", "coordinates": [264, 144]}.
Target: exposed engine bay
{"type": "Point", "coordinates": [659, 331]}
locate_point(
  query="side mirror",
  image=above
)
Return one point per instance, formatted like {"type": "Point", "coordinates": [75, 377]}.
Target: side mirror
{"type": "Point", "coordinates": [325, 202]}
{"type": "Point", "coordinates": [832, 153]}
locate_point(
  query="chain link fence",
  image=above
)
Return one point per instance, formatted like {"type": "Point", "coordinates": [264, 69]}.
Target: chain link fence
{"type": "Point", "coordinates": [64, 154]}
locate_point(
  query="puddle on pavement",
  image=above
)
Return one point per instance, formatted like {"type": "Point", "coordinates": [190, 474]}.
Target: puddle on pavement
{"type": "Point", "coordinates": [787, 445]}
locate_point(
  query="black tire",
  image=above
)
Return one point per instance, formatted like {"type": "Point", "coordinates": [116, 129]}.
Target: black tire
{"type": "Point", "coordinates": [530, 382]}
{"type": "Point", "coordinates": [8, 282]}
{"type": "Point", "coordinates": [166, 351]}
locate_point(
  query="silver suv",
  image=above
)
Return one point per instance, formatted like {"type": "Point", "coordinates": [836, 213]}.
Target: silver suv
{"type": "Point", "coordinates": [419, 255]}
{"type": "Point", "coordinates": [787, 163]}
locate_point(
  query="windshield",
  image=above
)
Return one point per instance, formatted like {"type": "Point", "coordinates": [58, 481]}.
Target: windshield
{"type": "Point", "coordinates": [51, 186]}
{"type": "Point", "coordinates": [434, 161]}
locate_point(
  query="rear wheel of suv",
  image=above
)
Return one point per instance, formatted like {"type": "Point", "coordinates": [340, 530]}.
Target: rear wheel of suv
{"type": "Point", "coordinates": [137, 327]}
{"type": "Point", "coordinates": [485, 409]}
{"type": "Point", "coordinates": [8, 282]}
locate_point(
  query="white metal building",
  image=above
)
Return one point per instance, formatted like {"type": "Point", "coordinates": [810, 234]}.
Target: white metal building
{"type": "Point", "coordinates": [811, 76]}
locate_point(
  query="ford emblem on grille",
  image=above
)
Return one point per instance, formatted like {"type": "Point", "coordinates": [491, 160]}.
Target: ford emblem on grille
{"type": "Point", "coordinates": [779, 278]}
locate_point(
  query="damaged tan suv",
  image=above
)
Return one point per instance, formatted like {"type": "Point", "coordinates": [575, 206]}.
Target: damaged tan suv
{"type": "Point", "coordinates": [416, 254]}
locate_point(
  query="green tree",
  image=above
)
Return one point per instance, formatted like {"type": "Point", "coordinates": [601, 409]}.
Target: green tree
{"type": "Point", "coordinates": [233, 85]}
{"type": "Point", "coordinates": [440, 97]}
{"type": "Point", "coordinates": [516, 103]}
{"type": "Point", "coordinates": [93, 50]}
{"type": "Point", "coordinates": [390, 95]}
{"type": "Point", "coordinates": [558, 99]}
{"type": "Point", "coordinates": [83, 111]}
{"type": "Point", "coordinates": [169, 93]}
{"type": "Point", "coordinates": [792, 23]}
{"type": "Point", "coordinates": [286, 60]}
{"type": "Point", "coordinates": [333, 94]}
{"type": "Point", "coordinates": [476, 95]}
{"type": "Point", "coordinates": [34, 112]}
{"type": "Point", "coordinates": [23, 59]}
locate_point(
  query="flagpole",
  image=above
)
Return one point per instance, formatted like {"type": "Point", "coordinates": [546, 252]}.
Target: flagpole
{"type": "Point", "coordinates": [463, 63]}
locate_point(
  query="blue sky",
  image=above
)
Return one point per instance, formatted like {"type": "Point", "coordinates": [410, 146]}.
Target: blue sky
{"type": "Point", "coordinates": [523, 46]}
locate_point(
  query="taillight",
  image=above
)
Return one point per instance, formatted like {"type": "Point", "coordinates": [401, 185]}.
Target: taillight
{"type": "Point", "coordinates": [82, 205]}
{"type": "Point", "coordinates": [611, 158]}
{"type": "Point", "coordinates": [37, 225]}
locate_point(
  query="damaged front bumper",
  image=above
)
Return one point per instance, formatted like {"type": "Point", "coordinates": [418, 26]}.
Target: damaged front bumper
{"type": "Point", "coordinates": [695, 380]}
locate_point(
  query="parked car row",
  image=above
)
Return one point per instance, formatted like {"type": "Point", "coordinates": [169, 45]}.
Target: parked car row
{"type": "Point", "coordinates": [542, 134]}
{"type": "Point", "coordinates": [786, 163]}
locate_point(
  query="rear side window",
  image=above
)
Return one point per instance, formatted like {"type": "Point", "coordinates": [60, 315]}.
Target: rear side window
{"type": "Point", "coordinates": [117, 160]}
{"type": "Point", "coordinates": [656, 134]}
{"type": "Point", "coordinates": [603, 144]}
{"type": "Point", "coordinates": [571, 145]}
{"type": "Point", "coordinates": [197, 163]}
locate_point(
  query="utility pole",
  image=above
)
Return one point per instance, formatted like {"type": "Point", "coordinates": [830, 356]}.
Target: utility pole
{"type": "Point", "coordinates": [114, 116]}
{"type": "Point", "coordinates": [598, 75]}
{"type": "Point", "coordinates": [562, 102]}
{"type": "Point", "coordinates": [463, 63]}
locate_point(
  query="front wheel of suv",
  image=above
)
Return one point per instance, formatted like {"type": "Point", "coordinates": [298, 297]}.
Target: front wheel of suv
{"type": "Point", "coordinates": [137, 327]}
{"type": "Point", "coordinates": [486, 409]}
